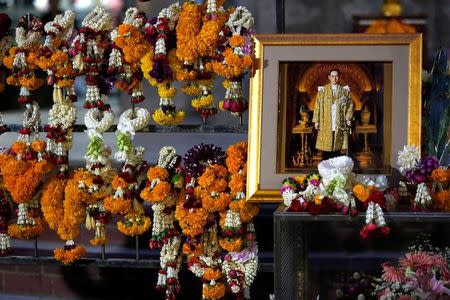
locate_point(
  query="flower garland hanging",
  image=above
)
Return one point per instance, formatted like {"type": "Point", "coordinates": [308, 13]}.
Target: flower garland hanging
{"type": "Point", "coordinates": [160, 32]}
{"type": "Point", "coordinates": [55, 60]}
{"type": "Point", "coordinates": [205, 195]}
{"type": "Point", "coordinates": [127, 183]}
{"type": "Point", "coordinates": [90, 49]}
{"type": "Point", "coordinates": [91, 46]}
{"type": "Point", "coordinates": [23, 166]}
{"type": "Point", "coordinates": [128, 49]}
{"type": "Point", "coordinates": [164, 189]}
{"type": "Point", "coordinates": [238, 233]}
{"type": "Point", "coordinates": [235, 59]}
{"type": "Point", "coordinates": [54, 57]}
{"type": "Point", "coordinates": [197, 42]}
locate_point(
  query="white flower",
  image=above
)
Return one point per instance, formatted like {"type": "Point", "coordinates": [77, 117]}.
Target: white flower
{"type": "Point", "coordinates": [330, 168]}
{"type": "Point", "coordinates": [408, 158]}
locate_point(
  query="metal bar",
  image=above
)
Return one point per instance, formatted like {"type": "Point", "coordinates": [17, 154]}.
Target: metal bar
{"type": "Point", "coordinates": [280, 16]}
{"type": "Point", "coordinates": [35, 255]}
{"type": "Point", "coordinates": [137, 247]}
{"type": "Point", "coordinates": [103, 252]}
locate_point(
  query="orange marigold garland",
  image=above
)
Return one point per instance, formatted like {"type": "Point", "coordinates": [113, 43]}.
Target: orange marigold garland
{"type": "Point", "coordinates": [129, 47]}
{"type": "Point", "coordinates": [238, 233]}
{"type": "Point", "coordinates": [22, 59]}
{"type": "Point", "coordinates": [163, 189]}
{"type": "Point", "coordinates": [197, 41]}
{"type": "Point", "coordinates": [235, 59]}
{"type": "Point", "coordinates": [134, 224]}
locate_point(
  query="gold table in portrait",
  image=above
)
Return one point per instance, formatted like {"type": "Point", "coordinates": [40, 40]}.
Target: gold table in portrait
{"type": "Point", "coordinates": [366, 157]}
{"type": "Point", "coordinates": [302, 157]}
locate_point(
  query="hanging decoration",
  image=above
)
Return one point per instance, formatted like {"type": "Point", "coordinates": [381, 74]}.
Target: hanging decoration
{"type": "Point", "coordinates": [24, 165]}
{"type": "Point", "coordinates": [164, 190]}
{"type": "Point", "coordinates": [235, 59]}
{"type": "Point", "coordinates": [159, 66]}
{"type": "Point", "coordinates": [92, 47]}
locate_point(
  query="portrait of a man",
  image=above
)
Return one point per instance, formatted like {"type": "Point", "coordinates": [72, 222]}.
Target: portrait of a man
{"type": "Point", "coordinates": [333, 115]}
{"type": "Point", "coordinates": [334, 108]}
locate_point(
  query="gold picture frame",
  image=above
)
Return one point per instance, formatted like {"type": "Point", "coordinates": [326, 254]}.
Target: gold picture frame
{"type": "Point", "coordinates": [404, 51]}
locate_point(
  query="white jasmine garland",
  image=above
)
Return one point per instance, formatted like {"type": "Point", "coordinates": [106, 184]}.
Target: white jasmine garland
{"type": "Point", "coordinates": [98, 120]}
{"type": "Point", "coordinates": [240, 18]}
{"type": "Point", "coordinates": [128, 123]}
{"type": "Point", "coordinates": [423, 197]}
{"type": "Point", "coordinates": [167, 157]}
{"type": "Point", "coordinates": [408, 158]}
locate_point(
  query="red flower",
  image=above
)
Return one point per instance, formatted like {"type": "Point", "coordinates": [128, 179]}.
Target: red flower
{"type": "Point", "coordinates": [372, 230]}
{"type": "Point", "coordinates": [295, 206]}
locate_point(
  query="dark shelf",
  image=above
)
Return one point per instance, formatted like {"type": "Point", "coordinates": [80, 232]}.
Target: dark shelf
{"type": "Point", "coordinates": [265, 265]}
{"type": "Point", "coordinates": [194, 128]}
{"type": "Point", "coordinates": [390, 217]}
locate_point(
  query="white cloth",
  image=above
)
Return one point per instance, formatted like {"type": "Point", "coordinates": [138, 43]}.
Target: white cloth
{"type": "Point", "coordinates": [333, 109]}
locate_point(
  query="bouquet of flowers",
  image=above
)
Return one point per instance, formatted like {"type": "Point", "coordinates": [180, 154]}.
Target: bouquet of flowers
{"type": "Point", "coordinates": [422, 273]}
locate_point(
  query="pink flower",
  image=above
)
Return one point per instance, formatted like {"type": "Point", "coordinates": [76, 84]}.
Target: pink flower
{"type": "Point", "coordinates": [391, 273]}
{"type": "Point", "coordinates": [416, 260]}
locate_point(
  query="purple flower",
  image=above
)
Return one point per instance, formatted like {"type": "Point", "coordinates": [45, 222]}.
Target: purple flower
{"type": "Point", "coordinates": [200, 156]}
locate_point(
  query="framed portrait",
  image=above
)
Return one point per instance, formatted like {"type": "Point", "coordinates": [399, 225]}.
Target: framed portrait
{"type": "Point", "coordinates": [317, 96]}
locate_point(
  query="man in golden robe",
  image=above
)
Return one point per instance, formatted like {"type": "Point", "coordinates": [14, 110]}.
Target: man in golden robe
{"type": "Point", "coordinates": [333, 114]}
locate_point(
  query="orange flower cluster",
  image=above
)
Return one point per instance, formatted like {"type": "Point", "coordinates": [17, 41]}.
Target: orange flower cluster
{"type": "Point", "coordinates": [361, 192]}
{"type": "Point", "coordinates": [192, 249]}
{"type": "Point", "coordinates": [392, 25]}
{"type": "Point", "coordinates": [98, 241]}
{"type": "Point", "coordinates": [192, 223]}
{"type": "Point", "coordinates": [188, 28]}
{"type": "Point", "coordinates": [212, 274]}
{"type": "Point", "coordinates": [441, 175]}
{"type": "Point", "coordinates": [247, 211]}
{"type": "Point", "coordinates": [236, 41]}
{"type": "Point", "coordinates": [231, 245]}
{"type": "Point", "coordinates": [442, 200]}
{"type": "Point", "coordinates": [52, 201]}
{"type": "Point", "coordinates": [179, 73]}
{"type": "Point", "coordinates": [214, 292]}
{"type": "Point", "coordinates": [232, 66]}
{"type": "Point", "coordinates": [209, 35]}
{"type": "Point", "coordinates": [211, 188]}
{"type": "Point", "coordinates": [134, 224]}
{"type": "Point", "coordinates": [118, 205]}
{"type": "Point", "coordinates": [237, 157]}
{"type": "Point", "coordinates": [161, 190]}
{"type": "Point", "coordinates": [69, 256]}
{"type": "Point", "coordinates": [73, 208]}
{"type": "Point", "coordinates": [26, 76]}
{"type": "Point", "coordinates": [26, 231]}
{"type": "Point", "coordinates": [214, 179]}
{"type": "Point", "coordinates": [132, 43]}
{"type": "Point", "coordinates": [22, 177]}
